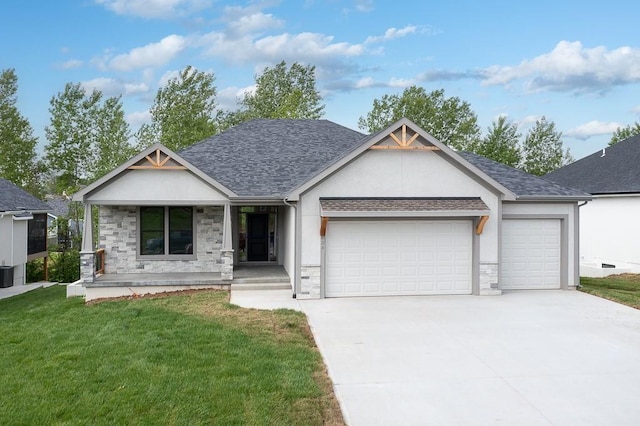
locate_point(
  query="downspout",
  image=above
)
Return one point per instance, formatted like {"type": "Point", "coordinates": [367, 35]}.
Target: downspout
{"type": "Point", "coordinates": [295, 246]}
{"type": "Point", "coordinates": [578, 285]}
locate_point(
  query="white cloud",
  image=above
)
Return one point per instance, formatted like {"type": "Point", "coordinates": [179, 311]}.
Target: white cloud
{"type": "Point", "coordinates": [112, 87]}
{"type": "Point", "coordinates": [593, 128]}
{"type": "Point", "coordinates": [153, 54]}
{"type": "Point", "coordinates": [154, 8]}
{"type": "Point", "coordinates": [364, 5]}
{"type": "Point", "coordinates": [70, 64]}
{"type": "Point", "coordinates": [527, 120]}
{"type": "Point", "coordinates": [392, 33]}
{"type": "Point", "coordinates": [636, 110]}
{"type": "Point", "coordinates": [243, 21]}
{"type": "Point", "coordinates": [313, 48]}
{"type": "Point", "coordinates": [571, 67]}
{"type": "Point", "coordinates": [228, 97]}
{"type": "Point", "coordinates": [138, 118]}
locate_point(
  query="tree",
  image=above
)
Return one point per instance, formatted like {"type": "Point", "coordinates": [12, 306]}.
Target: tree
{"type": "Point", "coordinates": [626, 132]}
{"type": "Point", "coordinates": [283, 93]}
{"type": "Point", "coordinates": [87, 136]}
{"type": "Point", "coordinates": [450, 120]}
{"type": "Point", "coordinates": [112, 146]}
{"type": "Point", "coordinates": [18, 159]}
{"type": "Point", "coordinates": [183, 112]}
{"type": "Point", "coordinates": [501, 143]}
{"type": "Point", "coordinates": [542, 149]}
{"type": "Point", "coordinates": [69, 153]}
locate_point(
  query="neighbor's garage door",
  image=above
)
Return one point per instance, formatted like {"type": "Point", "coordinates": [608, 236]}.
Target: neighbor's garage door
{"type": "Point", "coordinates": [531, 253]}
{"type": "Point", "coordinates": [376, 258]}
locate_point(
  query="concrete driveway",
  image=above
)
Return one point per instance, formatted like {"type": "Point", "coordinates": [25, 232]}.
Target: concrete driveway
{"type": "Point", "coordinates": [523, 358]}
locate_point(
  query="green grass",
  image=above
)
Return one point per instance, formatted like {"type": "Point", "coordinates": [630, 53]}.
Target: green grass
{"type": "Point", "coordinates": [624, 288]}
{"type": "Point", "coordinates": [185, 359]}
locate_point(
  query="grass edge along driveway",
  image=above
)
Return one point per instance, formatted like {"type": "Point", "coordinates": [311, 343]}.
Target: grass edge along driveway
{"type": "Point", "coordinates": [622, 288]}
{"type": "Point", "coordinates": [191, 358]}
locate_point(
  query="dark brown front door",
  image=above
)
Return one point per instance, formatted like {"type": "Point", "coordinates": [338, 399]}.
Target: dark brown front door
{"type": "Point", "coordinates": [257, 237]}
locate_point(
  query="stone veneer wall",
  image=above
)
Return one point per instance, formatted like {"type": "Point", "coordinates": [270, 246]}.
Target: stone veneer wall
{"type": "Point", "coordinates": [310, 281]}
{"type": "Point", "coordinates": [489, 278]}
{"type": "Point", "coordinates": [119, 238]}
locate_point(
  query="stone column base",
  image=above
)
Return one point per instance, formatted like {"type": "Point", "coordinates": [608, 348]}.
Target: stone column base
{"type": "Point", "coordinates": [226, 268]}
{"type": "Point", "coordinates": [87, 266]}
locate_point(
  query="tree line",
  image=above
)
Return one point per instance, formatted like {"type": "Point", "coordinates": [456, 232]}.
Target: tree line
{"type": "Point", "coordinates": [88, 135]}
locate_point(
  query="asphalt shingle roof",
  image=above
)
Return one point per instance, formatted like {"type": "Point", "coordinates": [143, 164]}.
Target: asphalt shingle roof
{"type": "Point", "coordinates": [272, 157]}
{"type": "Point", "coordinates": [402, 204]}
{"type": "Point", "coordinates": [520, 183]}
{"type": "Point", "coordinates": [14, 198]}
{"type": "Point", "coordinates": [614, 171]}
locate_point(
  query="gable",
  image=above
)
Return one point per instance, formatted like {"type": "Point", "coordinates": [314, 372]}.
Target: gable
{"type": "Point", "coordinates": [155, 176]}
{"type": "Point", "coordinates": [414, 145]}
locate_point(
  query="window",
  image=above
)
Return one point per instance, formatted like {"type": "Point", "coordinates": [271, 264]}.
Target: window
{"type": "Point", "coordinates": [37, 230]}
{"type": "Point", "coordinates": [166, 231]}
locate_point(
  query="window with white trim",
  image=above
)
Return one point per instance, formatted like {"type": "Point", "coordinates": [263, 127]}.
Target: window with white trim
{"type": "Point", "coordinates": [166, 231]}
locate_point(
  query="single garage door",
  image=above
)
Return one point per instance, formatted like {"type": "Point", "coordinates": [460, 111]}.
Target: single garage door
{"type": "Point", "coordinates": [380, 258]}
{"type": "Point", "coordinates": [531, 253]}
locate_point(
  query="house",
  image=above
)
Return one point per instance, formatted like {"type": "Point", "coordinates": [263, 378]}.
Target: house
{"type": "Point", "coordinates": [342, 213]}
{"type": "Point", "coordinates": [23, 232]}
{"type": "Point", "coordinates": [609, 231]}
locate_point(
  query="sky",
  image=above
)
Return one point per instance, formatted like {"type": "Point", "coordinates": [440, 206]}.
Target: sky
{"type": "Point", "coordinates": [576, 63]}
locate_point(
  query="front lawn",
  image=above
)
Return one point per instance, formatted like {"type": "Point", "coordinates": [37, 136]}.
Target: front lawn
{"type": "Point", "coordinates": [624, 288]}
{"type": "Point", "coordinates": [185, 359]}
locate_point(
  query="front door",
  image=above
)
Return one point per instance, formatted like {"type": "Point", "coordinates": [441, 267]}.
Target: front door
{"type": "Point", "coordinates": [257, 237]}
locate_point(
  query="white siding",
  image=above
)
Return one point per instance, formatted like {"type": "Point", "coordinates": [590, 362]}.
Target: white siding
{"type": "Point", "coordinates": [609, 231]}
{"type": "Point", "coordinates": [160, 187]}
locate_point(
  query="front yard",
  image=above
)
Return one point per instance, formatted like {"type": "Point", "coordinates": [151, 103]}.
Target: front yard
{"type": "Point", "coordinates": [624, 288]}
{"type": "Point", "coordinates": [186, 359]}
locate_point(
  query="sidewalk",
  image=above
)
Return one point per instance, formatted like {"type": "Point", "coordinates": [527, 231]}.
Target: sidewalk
{"type": "Point", "coordinates": [19, 289]}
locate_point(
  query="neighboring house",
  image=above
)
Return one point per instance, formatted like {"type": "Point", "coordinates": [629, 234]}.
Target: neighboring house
{"type": "Point", "coordinates": [62, 227]}
{"type": "Point", "coordinates": [344, 214]}
{"type": "Point", "coordinates": [23, 231]}
{"type": "Point", "coordinates": [609, 229]}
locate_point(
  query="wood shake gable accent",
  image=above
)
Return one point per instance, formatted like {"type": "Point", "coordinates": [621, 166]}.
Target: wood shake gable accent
{"type": "Point", "coordinates": [157, 160]}
{"type": "Point", "coordinates": [404, 142]}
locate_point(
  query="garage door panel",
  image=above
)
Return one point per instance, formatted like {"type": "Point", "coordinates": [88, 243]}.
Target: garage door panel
{"type": "Point", "coordinates": [398, 257]}
{"type": "Point", "coordinates": [531, 251]}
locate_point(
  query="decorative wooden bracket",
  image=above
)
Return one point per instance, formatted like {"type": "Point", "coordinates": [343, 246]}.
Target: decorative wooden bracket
{"type": "Point", "coordinates": [480, 226]}
{"type": "Point", "coordinates": [405, 143]}
{"type": "Point", "coordinates": [323, 225]}
{"type": "Point", "coordinates": [157, 161]}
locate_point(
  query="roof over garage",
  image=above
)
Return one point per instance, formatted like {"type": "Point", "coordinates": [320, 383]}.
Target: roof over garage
{"type": "Point", "coordinates": [613, 170]}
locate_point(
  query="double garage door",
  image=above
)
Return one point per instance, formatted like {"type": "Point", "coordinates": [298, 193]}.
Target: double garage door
{"type": "Point", "coordinates": [398, 257]}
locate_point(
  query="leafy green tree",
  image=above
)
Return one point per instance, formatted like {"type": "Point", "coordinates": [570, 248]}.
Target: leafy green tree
{"type": "Point", "coordinates": [542, 149]}
{"type": "Point", "coordinates": [450, 120]}
{"type": "Point", "coordinates": [18, 162]}
{"type": "Point", "coordinates": [71, 133]}
{"type": "Point", "coordinates": [283, 93]}
{"type": "Point", "coordinates": [88, 136]}
{"type": "Point", "coordinates": [626, 132]}
{"type": "Point", "coordinates": [501, 143]}
{"type": "Point", "coordinates": [183, 112]}
{"type": "Point", "coordinates": [112, 146]}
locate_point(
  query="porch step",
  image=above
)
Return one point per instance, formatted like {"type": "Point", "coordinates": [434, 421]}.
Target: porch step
{"type": "Point", "coordinates": [235, 286]}
{"type": "Point", "coordinates": [262, 280]}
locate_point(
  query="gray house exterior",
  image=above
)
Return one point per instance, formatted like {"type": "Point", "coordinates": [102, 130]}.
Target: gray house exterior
{"type": "Point", "coordinates": [344, 214]}
{"type": "Point", "coordinates": [20, 240]}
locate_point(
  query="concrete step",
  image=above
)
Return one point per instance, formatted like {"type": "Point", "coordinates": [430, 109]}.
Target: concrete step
{"type": "Point", "coordinates": [260, 286]}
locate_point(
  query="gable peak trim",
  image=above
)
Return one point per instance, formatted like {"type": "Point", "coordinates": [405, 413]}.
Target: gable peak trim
{"type": "Point", "coordinates": [158, 161]}
{"type": "Point", "coordinates": [404, 142]}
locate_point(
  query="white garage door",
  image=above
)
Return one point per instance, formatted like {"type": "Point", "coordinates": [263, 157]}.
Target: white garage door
{"type": "Point", "coordinates": [531, 253]}
{"type": "Point", "coordinates": [376, 258]}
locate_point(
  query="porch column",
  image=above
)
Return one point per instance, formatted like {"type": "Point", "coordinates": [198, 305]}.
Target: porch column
{"type": "Point", "coordinates": [226, 254]}
{"type": "Point", "coordinates": [87, 254]}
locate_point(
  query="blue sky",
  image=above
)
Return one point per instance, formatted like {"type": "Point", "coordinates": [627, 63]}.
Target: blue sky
{"type": "Point", "coordinates": [577, 63]}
